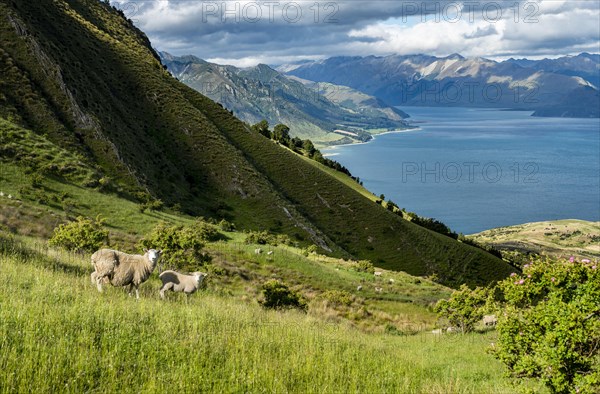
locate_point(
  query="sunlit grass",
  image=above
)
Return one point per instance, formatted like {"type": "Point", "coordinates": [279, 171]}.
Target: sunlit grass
{"type": "Point", "coordinates": [57, 333]}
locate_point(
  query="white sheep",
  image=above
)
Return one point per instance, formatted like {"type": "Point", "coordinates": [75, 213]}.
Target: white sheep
{"type": "Point", "coordinates": [490, 320]}
{"type": "Point", "coordinates": [258, 251]}
{"type": "Point", "coordinates": [177, 282]}
{"type": "Point", "coordinates": [378, 289]}
{"type": "Point", "coordinates": [359, 288]}
{"type": "Point", "coordinates": [122, 269]}
{"type": "Point", "coordinates": [378, 273]}
{"type": "Point", "coordinates": [270, 253]}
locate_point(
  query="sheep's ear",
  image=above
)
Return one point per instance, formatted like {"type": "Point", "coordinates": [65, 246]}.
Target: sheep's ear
{"type": "Point", "coordinates": [159, 251]}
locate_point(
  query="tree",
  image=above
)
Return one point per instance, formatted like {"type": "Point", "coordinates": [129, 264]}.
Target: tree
{"type": "Point", "coordinates": [262, 128]}
{"type": "Point", "coordinates": [281, 134]}
{"type": "Point", "coordinates": [309, 147]}
{"type": "Point", "coordinates": [296, 143]}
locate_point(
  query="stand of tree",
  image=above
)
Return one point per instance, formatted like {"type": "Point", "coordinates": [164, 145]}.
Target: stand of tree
{"type": "Point", "coordinates": [281, 134]}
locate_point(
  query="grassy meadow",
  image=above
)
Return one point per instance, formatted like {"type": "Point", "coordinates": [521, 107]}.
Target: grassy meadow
{"type": "Point", "coordinates": [58, 334]}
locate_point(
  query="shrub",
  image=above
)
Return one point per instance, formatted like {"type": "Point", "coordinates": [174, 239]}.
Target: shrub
{"type": "Point", "coordinates": [312, 249]}
{"type": "Point", "coordinates": [464, 308]}
{"type": "Point", "coordinates": [181, 245]}
{"type": "Point", "coordinates": [226, 226]}
{"type": "Point", "coordinates": [364, 266]}
{"type": "Point", "coordinates": [338, 297]}
{"type": "Point", "coordinates": [278, 296]}
{"type": "Point", "coordinates": [81, 235]}
{"type": "Point", "coordinates": [550, 327]}
{"type": "Point", "coordinates": [206, 232]}
{"type": "Point", "coordinates": [266, 238]}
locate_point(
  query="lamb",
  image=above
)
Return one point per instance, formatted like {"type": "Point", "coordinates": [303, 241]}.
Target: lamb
{"type": "Point", "coordinates": [175, 281]}
{"type": "Point", "coordinates": [122, 269]}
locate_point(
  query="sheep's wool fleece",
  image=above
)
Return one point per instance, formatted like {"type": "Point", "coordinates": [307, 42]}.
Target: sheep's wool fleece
{"type": "Point", "coordinates": [121, 268]}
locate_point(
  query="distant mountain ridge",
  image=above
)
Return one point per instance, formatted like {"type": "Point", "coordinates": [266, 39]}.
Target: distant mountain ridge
{"type": "Point", "coordinates": [260, 92]}
{"type": "Point", "coordinates": [565, 87]}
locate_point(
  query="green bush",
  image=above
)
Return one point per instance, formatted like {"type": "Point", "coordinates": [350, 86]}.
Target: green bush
{"type": "Point", "coordinates": [82, 235]}
{"type": "Point", "coordinates": [266, 238]}
{"type": "Point", "coordinates": [550, 325]}
{"type": "Point", "coordinates": [364, 266]}
{"type": "Point", "coordinates": [226, 226]}
{"type": "Point", "coordinates": [206, 232]}
{"type": "Point", "coordinates": [181, 245]}
{"type": "Point", "coordinates": [464, 308]}
{"type": "Point", "coordinates": [338, 297]}
{"type": "Point", "coordinates": [277, 295]}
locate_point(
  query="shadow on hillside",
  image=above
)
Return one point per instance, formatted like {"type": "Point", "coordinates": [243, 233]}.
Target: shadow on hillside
{"type": "Point", "coordinates": [40, 258]}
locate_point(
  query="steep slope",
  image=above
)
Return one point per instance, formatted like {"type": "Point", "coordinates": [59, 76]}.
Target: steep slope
{"type": "Point", "coordinates": [260, 92]}
{"type": "Point", "coordinates": [80, 74]}
{"type": "Point", "coordinates": [457, 81]}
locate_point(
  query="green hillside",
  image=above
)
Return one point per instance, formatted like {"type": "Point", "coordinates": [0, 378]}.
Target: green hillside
{"type": "Point", "coordinates": [77, 75]}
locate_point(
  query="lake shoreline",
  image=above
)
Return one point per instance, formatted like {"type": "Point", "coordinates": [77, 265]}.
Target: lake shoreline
{"type": "Point", "coordinates": [374, 137]}
{"type": "Point", "coordinates": [481, 169]}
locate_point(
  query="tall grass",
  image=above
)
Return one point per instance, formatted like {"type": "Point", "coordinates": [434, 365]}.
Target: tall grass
{"type": "Point", "coordinates": [57, 333]}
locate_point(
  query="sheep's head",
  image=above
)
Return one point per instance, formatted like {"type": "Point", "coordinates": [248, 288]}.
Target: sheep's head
{"type": "Point", "coordinates": [199, 276]}
{"type": "Point", "coordinates": [153, 255]}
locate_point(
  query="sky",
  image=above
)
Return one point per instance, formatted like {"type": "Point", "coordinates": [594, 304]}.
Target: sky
{"type": "Point", "coordinates": [245, 33]}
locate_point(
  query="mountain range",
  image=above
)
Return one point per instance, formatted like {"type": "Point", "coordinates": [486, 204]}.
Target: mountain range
{"type": "Point", "coordinates": [83, 91]}
{"type": "Point", "coordinates": [311, 110]}
{"type": "Point", "coordinates": [564, 87]}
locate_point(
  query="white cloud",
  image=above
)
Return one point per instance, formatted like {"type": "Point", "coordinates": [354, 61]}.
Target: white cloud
{"type": "Point", "coordinates": [239, 36]}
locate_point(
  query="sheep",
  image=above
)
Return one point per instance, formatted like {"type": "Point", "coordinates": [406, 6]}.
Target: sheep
{"type": "Point", "coordinates": [378, 273]}
{"type": "Point", "coordinates": [392, 281]}
{"type": "Point", "coordinates": [378, 289]}
{"type": "Point", "coordinates": [270, 253]}
{"type": "Point", "coordinates": [359, 288]}
{"type": "Point", "coordinates": [489, 320]}
{"type": "Point", "coordinates": [258, 251]}
{"type": "Point", "coordinates": [175, 281]}
{"type": "Point", "coordinates": [122, 269]}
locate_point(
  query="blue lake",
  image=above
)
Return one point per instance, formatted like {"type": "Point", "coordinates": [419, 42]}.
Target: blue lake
{"type": "Point", "coordinates": [475, 169]}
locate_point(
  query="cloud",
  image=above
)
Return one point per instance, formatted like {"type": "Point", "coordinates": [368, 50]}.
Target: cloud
{"type": "Point", "coordinates": [274, 32]}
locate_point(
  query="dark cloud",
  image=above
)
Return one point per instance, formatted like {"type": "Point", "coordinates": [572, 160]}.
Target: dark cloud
{"type": "Point", "coordinates": [272, 31]}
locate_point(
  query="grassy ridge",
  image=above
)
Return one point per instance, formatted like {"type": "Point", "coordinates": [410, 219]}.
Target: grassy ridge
{"type": "Point", "coordinates": [58, 333]}
{"type": "Point", "coordinates": [558, 238]}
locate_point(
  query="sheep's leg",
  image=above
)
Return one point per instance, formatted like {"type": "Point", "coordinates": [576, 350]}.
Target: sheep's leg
{"type": "Point", "coordinates": [165, 287]}
{"type": "Point", "coordinates": [99, 283]}
{"type": "Point", "coordinates": [93, 277]}
{"type": "Point", "coordinates": [137, 294]}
